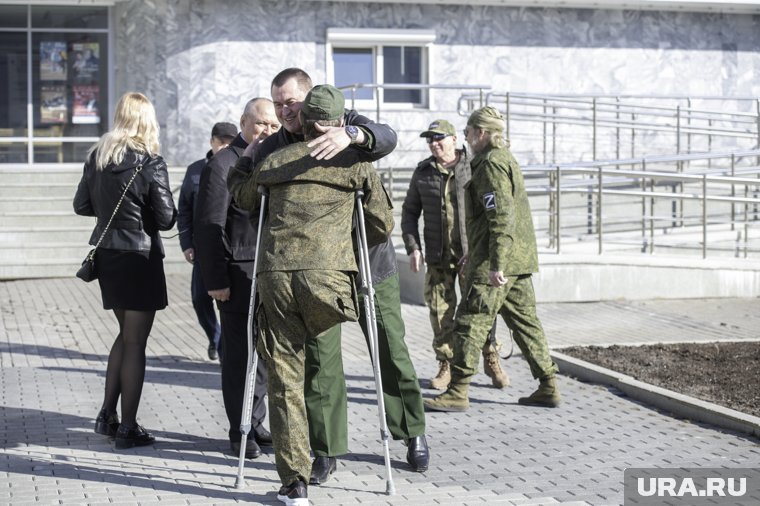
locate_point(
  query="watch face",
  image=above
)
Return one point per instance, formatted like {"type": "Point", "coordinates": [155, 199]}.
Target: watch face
{"type": "Point", "coordinates": [352, 132]}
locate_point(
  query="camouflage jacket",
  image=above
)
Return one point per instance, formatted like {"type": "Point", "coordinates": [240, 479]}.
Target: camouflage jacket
{"type": "Point", "coordinates": [499, 224]}
{"type": "Point", "coordinates": [310, 206]}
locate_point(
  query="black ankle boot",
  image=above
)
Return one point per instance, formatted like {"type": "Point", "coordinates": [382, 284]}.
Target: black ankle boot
{"type": "Point", "coordinates": [129, 437]}
{"type": "Point", "coordinates": [107, 423]}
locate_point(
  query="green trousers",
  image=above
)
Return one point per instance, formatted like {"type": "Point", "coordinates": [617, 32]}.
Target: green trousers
{"type": "Point", "coordinates": [441, 298]}
{"type": "Point", "coordinates": [516, 303]}
{"type": "Point", "coordinates": [325, 384]}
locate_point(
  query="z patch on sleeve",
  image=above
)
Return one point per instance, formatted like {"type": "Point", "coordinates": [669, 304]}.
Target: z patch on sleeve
{"type": "Point", "coordinates": [489, 200]}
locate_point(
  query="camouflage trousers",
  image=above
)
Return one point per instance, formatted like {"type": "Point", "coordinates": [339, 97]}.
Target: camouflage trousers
{"type": "Point", "coordinates": [296, 307]}
{"type": "Point", "coordinates": [516, 303]}
{"type": "Point", "coordinates": [441, 298]}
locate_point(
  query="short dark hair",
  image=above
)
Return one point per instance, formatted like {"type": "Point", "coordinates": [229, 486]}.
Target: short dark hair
{"type": "Point", "coordinates": [302, 78]}
{"type": "Point", "coordinates": [310, 131]}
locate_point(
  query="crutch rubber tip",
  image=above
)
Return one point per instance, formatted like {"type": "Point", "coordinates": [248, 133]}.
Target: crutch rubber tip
{"type": "Point", "coordinates": [239, 484]}
{"type": "Point", "coordinates": [390, 489]}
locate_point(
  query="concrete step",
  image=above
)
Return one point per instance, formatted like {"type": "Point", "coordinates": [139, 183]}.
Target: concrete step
{"type": "Point", "coordinates": [63, 219]}
{"type": "Point", "coordinates": [26, 235]}
{"type": "Point", "coordinates": [35, 204]}
{"type": "Point", "coordinates": [21, 190]}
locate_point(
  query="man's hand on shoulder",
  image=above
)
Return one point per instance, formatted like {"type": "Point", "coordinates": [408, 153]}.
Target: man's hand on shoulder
{"type": "Point", "coordinates": [332, 141]}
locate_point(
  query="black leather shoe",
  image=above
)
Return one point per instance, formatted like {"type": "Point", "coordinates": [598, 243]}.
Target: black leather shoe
{"type": "Point", "coordinates": [252, 450]}
{"type": "Point", "coordinates": [107, 423]}
{"type": "Point", "coordinates": [129, 437]}
{"type": "Point", "coordinates": [263, 437]}
{"type": "Point", "coordinates": [321, 469]}
{"type": "Point", "coordinates": [418, 455]}
{"type": "Point", "coordinates": [212, 353]}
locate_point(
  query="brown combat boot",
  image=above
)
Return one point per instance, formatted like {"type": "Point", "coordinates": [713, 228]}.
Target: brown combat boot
{"type": "Point", "coordinates": [443, 378]}
{"type": "Point", "coordinates": [453, 399]}
{"type": "Point", "coordinates": [547, 395]}
{"type": "Point", "coordinates": [492, 368]}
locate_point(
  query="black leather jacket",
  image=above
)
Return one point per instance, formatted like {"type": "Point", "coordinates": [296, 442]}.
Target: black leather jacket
{"type": "Point", "coordinates": [148, 206]}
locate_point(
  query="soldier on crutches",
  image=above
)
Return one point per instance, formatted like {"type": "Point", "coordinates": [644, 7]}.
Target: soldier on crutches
{"type": "Point", "coordinates": [369, 311]}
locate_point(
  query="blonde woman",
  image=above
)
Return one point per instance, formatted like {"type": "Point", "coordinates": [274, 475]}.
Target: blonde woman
{"type": "Point", "coordinates": [129, 260]}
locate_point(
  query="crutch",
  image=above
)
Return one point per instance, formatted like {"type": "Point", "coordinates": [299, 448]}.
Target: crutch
{"type": "Point", "coordinates": [371, 319]}
{"type": "Point", "coordinates": [253, 356]}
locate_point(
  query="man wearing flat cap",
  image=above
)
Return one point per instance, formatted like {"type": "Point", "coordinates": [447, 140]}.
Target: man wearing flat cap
{"type": "Point", "coordinates": [306, 283]}
{"type": "Point", "coordinates": [502, 257]}
{"type": "Point", "coordinates": [436, 192]}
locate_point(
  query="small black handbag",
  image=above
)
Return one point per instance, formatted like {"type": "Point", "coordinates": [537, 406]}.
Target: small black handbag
{"type": "Point", "coordinates": [87, 272]}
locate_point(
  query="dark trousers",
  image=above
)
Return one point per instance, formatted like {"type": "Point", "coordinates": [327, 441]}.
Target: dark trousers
{"type": "Point", "coordinates": [204, 308]}
{"type": "Point", "coordinates": [234, 365]}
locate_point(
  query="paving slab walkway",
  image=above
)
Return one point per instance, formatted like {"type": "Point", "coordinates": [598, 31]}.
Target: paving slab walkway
{"type": "Point", "coordinates": [54, 341]}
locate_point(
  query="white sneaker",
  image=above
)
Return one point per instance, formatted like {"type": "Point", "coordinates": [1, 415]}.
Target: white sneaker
{"type": "Point", "coordinates": [294, 494]}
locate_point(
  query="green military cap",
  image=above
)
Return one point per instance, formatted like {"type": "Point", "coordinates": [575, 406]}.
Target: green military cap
{"type": "Point", "coordinates": [487, 118]}
{"type": "Point", "coordinates": [439, 127]}
{"type": "Point", "coordinates": [324, 102]}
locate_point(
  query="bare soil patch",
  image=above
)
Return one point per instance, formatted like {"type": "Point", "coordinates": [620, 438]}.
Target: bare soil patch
{"type": "Point", "coordinates": [725, 373]}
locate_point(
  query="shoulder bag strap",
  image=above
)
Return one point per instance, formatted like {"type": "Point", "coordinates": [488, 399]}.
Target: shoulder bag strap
{"type": "Point", "coordinates": [116, 209]}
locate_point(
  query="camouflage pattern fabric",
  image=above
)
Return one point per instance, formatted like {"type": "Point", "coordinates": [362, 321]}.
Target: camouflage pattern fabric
{"type": "Point", "coordinates": [500, 230]}
{"type": "Point", "coordinates": [296, 307]}
{"type": "Point", "coordinates": [516, 303]}
{"type": "Point", "coordinates": [310, 200]}
{"type": "Point", "coordinates": [441, 298]}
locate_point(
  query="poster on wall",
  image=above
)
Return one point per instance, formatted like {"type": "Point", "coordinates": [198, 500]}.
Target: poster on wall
{"type": "Point", "coordinates": [52, 104]}
{"type": "Point", "coordinates": [84, 106]}
{"type": "Point", "coordinates": [52, 60]}
{"type": "Point", "coordinates": [85, 61]}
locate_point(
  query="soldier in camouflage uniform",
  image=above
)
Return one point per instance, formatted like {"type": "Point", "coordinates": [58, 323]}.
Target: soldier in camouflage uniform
{"type": "Point", "coordinates": [498, 271]}
{"type": "Point", "coordinates": [305, 283]}
{"type": "Point", "coordinates": [437, 192]}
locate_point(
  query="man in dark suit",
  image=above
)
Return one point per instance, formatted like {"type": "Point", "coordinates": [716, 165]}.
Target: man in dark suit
{"type": "Point", "coordinates": [221, 135]}
{"type": "Point", "coordinates": [225, 247]}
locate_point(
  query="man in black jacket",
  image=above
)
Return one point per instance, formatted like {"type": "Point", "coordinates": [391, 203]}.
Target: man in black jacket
{"type": "Point", "coordinates": [225, 247]}
{"type": "Point", "coordinates": [325, 388]}
{"type": "Point", "coordinates": [221, 135]}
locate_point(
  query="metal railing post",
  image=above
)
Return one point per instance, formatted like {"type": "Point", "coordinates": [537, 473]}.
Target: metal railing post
{"type": "Point", "coordinates": [558, 188]}
{"type": "Point", "coordinates": [599, 223]}
{"type": "Point", "coordinates": [733, 191]}
{"type": "Point", "coordinates": [644, 244]}
{"type": "Point", "coordinates": [678, 130]}
{"type": "Point", "coordinates": [593, 115]}
{"type": "Point", "coordinates": [688, 123]}
{"type": "Point", "coordinates": [617, 128]}
{"type": "Point", "coordinates": [554, 135]}
{"type": "Point", "coordinates": [544, 131]}
{"type": "Point", "coordinates": [704, 215]}
{"type": "Point", "coordinates": [506, 119]}
{"type": "Point", "coordinates": [651, 217]}
{"type": "Point", "coordinates": [633, 135]}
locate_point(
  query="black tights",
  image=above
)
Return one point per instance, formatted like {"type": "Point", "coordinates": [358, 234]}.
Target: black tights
{"type": "Point", "coordinates": [126, 364]}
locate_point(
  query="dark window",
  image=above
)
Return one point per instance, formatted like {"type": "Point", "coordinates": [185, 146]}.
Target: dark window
{"type": "Point", "coordinates": [67, 17]}
{"type": "Point", "coordinates": [403, 65]}
{"type": "Point", "coordinates": [13, 16]}
{"type": "Point", "coordinates": [13, 85]}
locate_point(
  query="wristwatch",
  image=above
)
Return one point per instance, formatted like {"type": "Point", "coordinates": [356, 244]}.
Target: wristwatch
{"type": "Point", "coordinates": [352, 132]}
